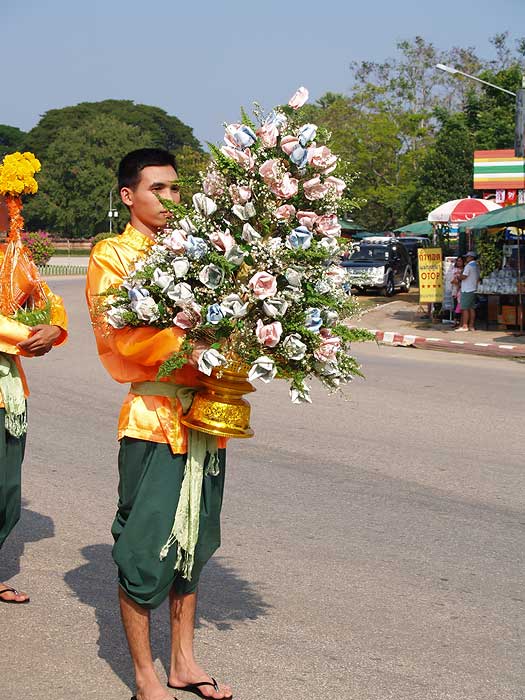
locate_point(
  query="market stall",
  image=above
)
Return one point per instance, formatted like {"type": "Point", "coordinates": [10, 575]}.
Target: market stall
{"type": "Point", "coordinates": [500, 244]}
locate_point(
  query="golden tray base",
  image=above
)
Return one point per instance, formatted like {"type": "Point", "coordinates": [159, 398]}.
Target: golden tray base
{"type": "Point", "coordinates": [218, 407]}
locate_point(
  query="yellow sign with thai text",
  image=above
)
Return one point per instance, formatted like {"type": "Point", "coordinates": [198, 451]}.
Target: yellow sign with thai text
{"type": "Point", "coordinates": [430, 265]}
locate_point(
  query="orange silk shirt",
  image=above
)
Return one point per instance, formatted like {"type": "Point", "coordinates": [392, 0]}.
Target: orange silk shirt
{"type": "Point", "coordinates": [13, 332]}
{"type": "Point", "coordinates": [134, 354]}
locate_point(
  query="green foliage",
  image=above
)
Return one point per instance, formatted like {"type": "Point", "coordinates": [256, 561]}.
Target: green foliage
{"type": "Point", "coordinates": [11, 139]}
{"type": "Point", "coordinates": [176, 361]}
{"type": "Point", "coordinates": [80, 148]}
{"type": "Point", "coordinates": [163, 130]}
{"type": "Point", "coordinates": [410, 130]}
{"type": "Point", "coordinates": [490, 250]}
{"type": "Point", "coordinates": [34, 317]}
{"type": "Point", "coordinates": [77, 175]}
{"type": "Point", "coordinates": [40, 245]}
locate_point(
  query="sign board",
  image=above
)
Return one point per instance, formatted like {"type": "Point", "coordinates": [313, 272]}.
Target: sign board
{"type": "Point", "coordinates": [430, 265]}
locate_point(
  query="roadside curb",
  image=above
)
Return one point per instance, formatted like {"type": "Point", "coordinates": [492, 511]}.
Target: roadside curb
{"type": "Point", "coordinates": [417, 341]}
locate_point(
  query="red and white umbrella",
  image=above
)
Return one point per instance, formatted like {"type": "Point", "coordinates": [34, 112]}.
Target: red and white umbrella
{"type": "Point", "coordinates": [461, 210]}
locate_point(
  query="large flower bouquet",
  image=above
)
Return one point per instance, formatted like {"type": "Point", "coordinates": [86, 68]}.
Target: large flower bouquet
{"type": "Point", "coordinates": [22, 295]}
{"type": "Point", "coordinates": [252, 264]}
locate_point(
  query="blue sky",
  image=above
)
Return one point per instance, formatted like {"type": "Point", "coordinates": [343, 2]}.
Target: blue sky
{"type": "Point", "coordinates": [200, 60]}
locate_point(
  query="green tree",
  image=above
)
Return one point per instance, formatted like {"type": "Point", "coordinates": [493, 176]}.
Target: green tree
{"type": "Point", "coordinates": [164, 131]}
{"type": "Point", "coordinates": [77, 175]}
{"type": "Point", "coordinates": [11, 139]}
{"type": "Point", "coordinates": [446, 168]}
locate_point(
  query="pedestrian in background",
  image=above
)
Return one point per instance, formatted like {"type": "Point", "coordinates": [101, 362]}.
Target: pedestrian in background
{"type": "Point", "coordinates": [469, 285]}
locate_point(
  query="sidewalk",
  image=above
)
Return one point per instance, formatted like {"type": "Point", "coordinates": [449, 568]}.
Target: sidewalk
{"type": "Point", "coordinates": [401, 323]}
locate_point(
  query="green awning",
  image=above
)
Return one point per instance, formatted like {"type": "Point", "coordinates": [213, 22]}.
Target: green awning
{"type": "Point", "coordinates": [349, 225]}
{"type": "Point", "coordinates": [499, 218]}
{"type": "Point", "coordinates": [418, 228]}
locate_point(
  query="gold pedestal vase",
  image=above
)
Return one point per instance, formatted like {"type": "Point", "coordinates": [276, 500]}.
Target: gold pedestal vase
{"type": "Point", "coordinates": [218, 407]}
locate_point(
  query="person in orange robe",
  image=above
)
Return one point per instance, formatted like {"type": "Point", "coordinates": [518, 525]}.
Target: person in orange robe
{"type": "Point", "coordinates": [153, 444]}
{"type": "Point", "coordinates": [18, 340]}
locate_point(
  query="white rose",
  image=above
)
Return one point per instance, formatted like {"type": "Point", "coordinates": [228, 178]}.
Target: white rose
{"type": "Point", "coordinates": [204, 205]}
{"type": "Point", "coordinates": [146, 309]}
{"type": "Point", "coordinates": [163, 279]}
{"type": "Point", "coordinates": [181, 292]}
{"type": "Point", "coordinates": [114, 317]}
{"type": "Point", "coordinates": [210, 359]}
{"type": "Point", "coordinates": [293, 347]}
{"type": "Point", "coordinates": [293, 277]}
{"type": "Point", "coordinates": [233, 307]}
{"type": "Point", "coordinates": [180, 266]}
{"type": "Point", "coordinates": [300, 396]}
{"type": "Point", "coordinates": [274, 306]}
{"type": "Point", "coordinates": [244, 211]}
{"type": "Point", "coordinates": [263, 368]}
{"type": "Point", "coordinates": [249, 234]}
{"type": "Point", "coordinates": [211, 276]}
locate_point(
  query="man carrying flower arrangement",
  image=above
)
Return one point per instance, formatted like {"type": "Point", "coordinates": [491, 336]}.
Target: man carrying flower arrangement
{"type": "Point", "coordinates": [32, 321]}
{"type": "Point", "coordinates": [167, 524]}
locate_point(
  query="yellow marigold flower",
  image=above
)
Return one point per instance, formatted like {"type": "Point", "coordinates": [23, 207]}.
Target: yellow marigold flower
{"type": "Point", "coordinates": [17, 173]}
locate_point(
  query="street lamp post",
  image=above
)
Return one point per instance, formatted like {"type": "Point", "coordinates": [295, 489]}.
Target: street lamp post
{"type": "Point", "coordinates": [112, 213]}
{"type": "Point", "coordinates": [519, 128]}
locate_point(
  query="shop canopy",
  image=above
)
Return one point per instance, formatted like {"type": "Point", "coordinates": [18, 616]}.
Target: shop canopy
{"type": "Point", "coordinates": [459, 210]}
{"type": "Point", "coordinates": [349, 225]}
{"type": "Point", "coordinates": [499, 218]}
{"type": "Point", "coordinates": [418, 228]}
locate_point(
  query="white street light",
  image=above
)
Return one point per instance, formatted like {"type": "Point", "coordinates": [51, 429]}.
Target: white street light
{"type": "Point", "coordinates": [454, 71]}
{"type": "Point", "coordinates": [519, 131]}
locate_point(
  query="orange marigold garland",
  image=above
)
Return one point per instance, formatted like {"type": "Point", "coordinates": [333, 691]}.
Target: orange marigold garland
{"type": "Point", "coordinates": [19, 280]}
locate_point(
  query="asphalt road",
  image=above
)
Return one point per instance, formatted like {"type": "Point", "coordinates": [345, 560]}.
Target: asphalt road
{"type": "Point", "coordinates": [372, 547]}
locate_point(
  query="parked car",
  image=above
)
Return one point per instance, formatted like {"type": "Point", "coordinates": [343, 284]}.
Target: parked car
{"type": "Point", "coordinates": [379, 263]}
{"type": "Point", "coordinates": [412, 244]}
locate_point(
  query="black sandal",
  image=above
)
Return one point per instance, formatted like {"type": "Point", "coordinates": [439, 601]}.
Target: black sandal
{"type": "Point", "coordinates": [8, 589]}
{"type": "Point", "coordinates": [194, 688]}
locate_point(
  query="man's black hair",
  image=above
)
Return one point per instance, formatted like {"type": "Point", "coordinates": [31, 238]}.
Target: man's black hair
{"type": "Point", "coordinates": [134, 162]}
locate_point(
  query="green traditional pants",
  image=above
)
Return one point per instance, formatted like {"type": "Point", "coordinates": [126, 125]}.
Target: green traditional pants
{"type": "Point", "coordinates": [150, 481]}
{"type": "Point", "coordinates": [11, 457]}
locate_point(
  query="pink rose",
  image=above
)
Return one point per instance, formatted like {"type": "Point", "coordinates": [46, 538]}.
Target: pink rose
{"type": "Point", "coordinates": [285, 212]}
{"type": "Point", "coordinates": [298, 98]}
{"type": "Point", "coordinates": [213, 184]}
{"type": "Point", "coordinates": [270, 171]}
{"type": "Point", "coordinates": [175, 241]}
{"type": "Point", "coordinates": [239, 194]}
{"type": "Point", "coordinates": [269, 334]}
{"type": "Point", "coordinates": [315, 189]}
{"type": "Point", "coordinates": [263, 285]}
{"type": "Point", "coordinates": [322, 158]}
{"type": "Point", "coordinates": [188, 318]}
{"type": "Point", "coordinates": [286, 188]}
{"type": "Point", "coordinates": [222, 240]}
{"type": "Point", "coordinates": [336, 183]}
{"type": "Point", "coordinates": [268, 134]}
{"type": "Point", "coordinates": [307, 218]}
{"type": "Point", "coordinates": [289, 144]}
{"type": "Point", "coordinates": [243, 158]}
{"type": "Point", "coordinates": [328, 225]}
{"type": "Point", "coordinates": [330, 345]}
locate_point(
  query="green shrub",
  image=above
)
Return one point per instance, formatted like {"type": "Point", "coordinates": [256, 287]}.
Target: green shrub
{"type": "Point", "coordinates": [40, 245]}
{"type": "Point", "coordinates": [102, 236]}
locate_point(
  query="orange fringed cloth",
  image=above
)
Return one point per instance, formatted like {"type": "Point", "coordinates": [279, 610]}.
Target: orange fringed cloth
{"type": "Point", "coordinates": [19, 279]}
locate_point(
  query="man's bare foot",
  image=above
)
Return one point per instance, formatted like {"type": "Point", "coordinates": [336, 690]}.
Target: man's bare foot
{"type": "Point", "coordinates": [152, 692]}
{"type": "Point", "coordinates": [189, 678]}
{"type": "Point", "coordinates": [11, 595]}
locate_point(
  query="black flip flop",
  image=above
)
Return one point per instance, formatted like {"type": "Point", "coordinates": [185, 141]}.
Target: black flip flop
{"type": "Point", "coordinates": [195, 689]}
{"type": "Point", "coordinates": [12, 602]}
